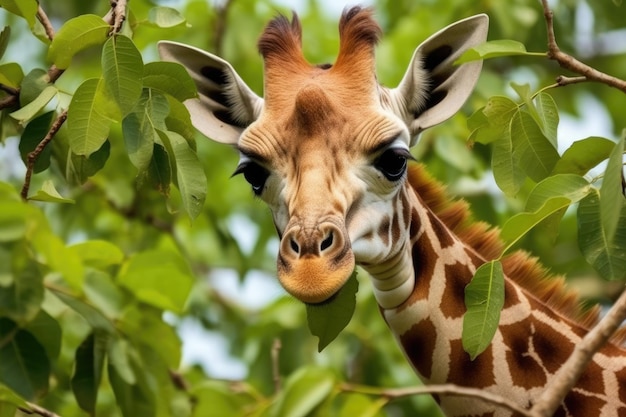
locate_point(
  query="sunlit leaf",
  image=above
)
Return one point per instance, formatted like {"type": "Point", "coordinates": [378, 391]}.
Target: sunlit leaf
{"type": "Point", "coordinates": [94, 316]}
{"type": "Point", "coordinates": [495, 49]}
{"type": "Point", "coordinates": [583, 155]}
{"type": "Point", "coordinates": [326, 321]}
{"type": "Point", "coordinates": [11, 74]}
{"type": "Point", "coordinates": [122, 71]}
{"type": "Point", "coordinates": [159, 278]}
{"type": "Point", "coordinates": [573, 187]}
{"type": "Point", "coordinates": [21, 300]}
{"type": "Point", "coordinates": [49, 193]}
{"type": "Point", "coordinates": [7, 395]}
{"type": "Point", "coordinates": [506, 170]}
{"type": "Point", "coordinates": [89, 119]}
{"type": "Point", "coordinates": [484, 299]}
{"type": "Point", "coordinates": [98, 253]}
{"type": "Point", "coordinates": [547, 116]}
{"type": "Point", "coordinates": [304, 391]}
{"type": "Point", "coordinates": [517, 226]}
{"type": "Point", "coordinates": [165, 17]}
{"type": "Point", "coordinates": [24, 367]}
{"type": "Point", "coordinates": [24, 8]}
{"type": "Point", "coordinates": [75, 35]}
{"type": "Point", "coordinates": [606, 254]}
{"type": "Point", "coordinates": [30, 110]}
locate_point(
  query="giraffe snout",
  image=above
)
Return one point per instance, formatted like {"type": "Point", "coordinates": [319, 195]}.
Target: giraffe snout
{"type": "Point", "coordinates": [315, 261]}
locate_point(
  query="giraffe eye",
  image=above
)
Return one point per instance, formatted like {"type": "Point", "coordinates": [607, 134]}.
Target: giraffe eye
{"type": "Point", "coordinates": [392, 163]}
{"type": "Point", "coordinates": [255, 174]}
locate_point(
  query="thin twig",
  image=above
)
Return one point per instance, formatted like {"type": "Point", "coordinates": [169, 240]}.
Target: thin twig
{"type": "Point", "coordinates": [117, 15]}
{"type": "Point", "coordinates": [444, 389]}
{"type": "Point", "coordinates": [570, 63]}
{"type": "Point", "coordinates": [35, 409]}
{"type": "Point", "coordinates": [276, 347]}
{"type": "Point", "coordinates": [45, 22]}
{"type": "Point", "coordinates": [572, 369]}
{"type": "Point", "coordinates": [32, 156]}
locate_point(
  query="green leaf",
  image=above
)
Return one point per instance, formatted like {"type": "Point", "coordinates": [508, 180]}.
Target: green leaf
{"type": "Point", "coordinates": [179, 121]}
{"type": "Point", "coordinates": [89, 363]}
{"type": "Point", "coordinates": [47, 331]}
{"type": "Point", "coordinates": [5, 36]}
{"type": "Point", "coordinates": [31, 110]}
{"type": "Point", "coordinates": [607, 255]}
{"type": "Point", "coordinates": [49, 194]}
{"type": "Point", "coordinates": [140, 128]}
{"type": "Point", "coordinates": [122, 71]}
{"type": "Point", "coordinates": [24, 8]}
{"type": "Point", "coordinates": [33, 85]}
{"type": "Point", "coordinates": [21, 300]}
{"type": "Point", "coordinates": [304, 391]}
{"type": "Point", "coordinates": [326, 321]}
{"type": "Point", "coordinates": [190, 177]}
{"type": "Point", "coordinates": [170, 78]}
{"type": "Point", "coordinates": [612, 199]}
{"type": "Point", "coordinates": [120, 359]}
{"type": "Point", "coordinates": [517, 226]}
{"type": "Point", "coordinates": [34, 132]}
{"type": "Point", "coordinates": [11, 74]}
{"type": "Point", "coordinates": [573, 187]}
{"type": "Point", "coordinates": [95, 317]}
{"type": "Point", "coordinates": [583, 155]}
{"type": "Point", "coordinates": [547, 117]}
{"type": "Point", "coordinates": [165, 17]}
{"type": "Point", "coordinates": [24, 367]}
{"type": "Point", "coordinates": [505, 165]}
{"type": "Point", "coordinates": [491, 122]}
{"type": "Point", "coordinates": [159, 278]}
{"type": "Point", "coordinates": [8, 396]}
{"type": "Point", "coordinates": [80, 167]}
{"type": "Point", "coordinates": [495, 49]}
{"type": "Point", "coordinates": [13, 221]}
{"type": "Point", "coordinates": [76, 35]}
{"type": "Point", "coordinates": [98, 253]}
{"type": "Point", "coordinates": [53, 252]}
{"type": "Point", "coordinates": [133, 399]}
{"type": "Point", "coordinates": [536, 155]}
{"type": "Point", "coordinates": [484, 299]}
{"type": "Point", "coordinates": [159, 171]}
{"type": "Point", "coordinates": [89, 117]}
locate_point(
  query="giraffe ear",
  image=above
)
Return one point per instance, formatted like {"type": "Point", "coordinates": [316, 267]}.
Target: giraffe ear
{"type": "Point", "coordinates": [226, 105]}
{"type": "Point", "coordinates": [433, 88]}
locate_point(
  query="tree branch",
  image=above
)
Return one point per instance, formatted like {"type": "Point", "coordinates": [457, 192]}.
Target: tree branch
{"type": "Point", "coordinates": [43, 19]}
{"type": "Point", "coordinates": [572, 369]}
{"type": "Point", "coordinates": [445, 389]}
{"type": "Point", "coordinates": [117, 15]}
{"type": "Point", "coordinates": [570, 63]}
{"type": "Point", "coordinates": [34, 155]}
{"type": "Point", "coordinates": [35, 409]}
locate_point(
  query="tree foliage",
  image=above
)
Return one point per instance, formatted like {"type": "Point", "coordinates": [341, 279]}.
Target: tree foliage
{"type": "Point", "coordinates": [127, 224]}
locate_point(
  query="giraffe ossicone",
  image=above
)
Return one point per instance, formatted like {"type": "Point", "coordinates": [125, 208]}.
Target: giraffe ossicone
{"type": "Point", "coordinates": [327, 148]}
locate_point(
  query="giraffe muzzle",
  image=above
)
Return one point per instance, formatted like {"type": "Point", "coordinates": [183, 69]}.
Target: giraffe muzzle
{"type": "Point", "coordinates": [315, 261]}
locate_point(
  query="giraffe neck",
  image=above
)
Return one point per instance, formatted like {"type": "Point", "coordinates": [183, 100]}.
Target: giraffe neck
{"type": "Point", "coordinates": [424, 282]}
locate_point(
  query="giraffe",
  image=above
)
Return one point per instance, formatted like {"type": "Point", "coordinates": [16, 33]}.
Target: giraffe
{"type": "Point", "coordinates": [327, 148]}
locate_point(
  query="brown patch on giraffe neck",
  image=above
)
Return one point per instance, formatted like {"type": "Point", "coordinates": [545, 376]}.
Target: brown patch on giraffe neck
{"type": "Point", "coordinates": [478, 373]}
{"type": "Point", "coordinates": [419, 344]}
{"type": "Point", "coordinates": [453, 300]}
{"type": "Point", "coordinates": [523, 270]}
{"type": "Point", "coordinates": [525, 371]}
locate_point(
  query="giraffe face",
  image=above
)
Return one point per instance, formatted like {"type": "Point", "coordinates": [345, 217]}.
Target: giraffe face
{"type": "Point", "coordinates": [327, 146]}
{"type": "Point", "coordinates": [330, 169]}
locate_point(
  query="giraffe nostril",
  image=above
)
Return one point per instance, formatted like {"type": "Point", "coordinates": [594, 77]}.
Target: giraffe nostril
{"type": "Point", "coordinates": [294, 246]}
{"type": "Point", "coordinates": [326, 243]}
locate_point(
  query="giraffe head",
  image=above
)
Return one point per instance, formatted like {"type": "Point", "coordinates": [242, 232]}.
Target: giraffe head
{"type": "Point", "coordinates": [327, 147]}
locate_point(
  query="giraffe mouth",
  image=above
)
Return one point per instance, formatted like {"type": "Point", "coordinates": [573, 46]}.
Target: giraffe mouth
{"type": "Point", "coordinates": [315, 262]}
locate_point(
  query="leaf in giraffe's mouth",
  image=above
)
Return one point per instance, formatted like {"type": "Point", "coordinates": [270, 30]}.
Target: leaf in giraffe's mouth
{"type": "Point", "coordinates": [326, 320]}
